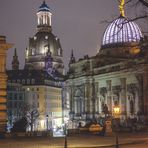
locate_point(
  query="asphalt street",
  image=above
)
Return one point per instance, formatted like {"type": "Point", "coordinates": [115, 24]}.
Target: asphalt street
{"type": "Point", "coordinates": [126, 140]}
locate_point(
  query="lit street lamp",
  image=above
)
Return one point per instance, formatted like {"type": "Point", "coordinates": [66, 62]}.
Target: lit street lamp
{"type": "Point", "coordinates": [116, 113]}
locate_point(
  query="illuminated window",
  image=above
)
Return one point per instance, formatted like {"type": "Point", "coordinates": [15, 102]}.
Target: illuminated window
{"type": "Point", "coordinates": [33, 51]}
{"type": "Point", "coordinates": [35, 37]}
{"type": "Point", "coordinates": [46, 37]}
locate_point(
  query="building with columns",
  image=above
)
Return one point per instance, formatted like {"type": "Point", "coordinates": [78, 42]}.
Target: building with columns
{"type": "Point", "coordinates": [116, 76]}
{"type": "Point", "coordinates": [4, 46]}
{"type": "Point", "coordinates": [42, 78]}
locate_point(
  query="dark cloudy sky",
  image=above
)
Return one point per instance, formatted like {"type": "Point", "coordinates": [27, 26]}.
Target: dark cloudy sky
{"type": "Point", "coordinates": [76, 22]}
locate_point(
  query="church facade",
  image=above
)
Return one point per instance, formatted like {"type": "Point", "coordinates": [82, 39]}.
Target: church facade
{"type": "Point", "coordinates": [40, 82]}
{"type": "Point", "coordinates": [116, 76]}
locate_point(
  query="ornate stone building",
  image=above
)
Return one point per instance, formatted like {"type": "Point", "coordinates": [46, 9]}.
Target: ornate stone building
{"type": "Point", "coordinates": [42, 77]}
{"type": "Point", "coordinates": [3, 83]}
{"type": "Point", "coordinates": [116, 75]}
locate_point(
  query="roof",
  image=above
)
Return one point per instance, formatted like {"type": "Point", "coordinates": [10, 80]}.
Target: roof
{"type": "Point", "coordinates": [38, 75]}
{"type": "Point", "coordinates": [44, 7]}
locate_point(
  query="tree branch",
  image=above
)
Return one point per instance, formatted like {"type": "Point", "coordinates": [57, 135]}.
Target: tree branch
{"type": "Point", "coordinates": [144, 2]}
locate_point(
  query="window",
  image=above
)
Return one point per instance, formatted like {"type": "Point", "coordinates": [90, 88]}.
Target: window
{"type": "Point", "coordinates": [23, 81]}
{"type": "Point", "coordinates": [20, 97]}
{"type": "Point", "coordinates": [28, 81]}
{"type": "Point", "coordinates": [15, 96]}
{"type": "Point", "coordinates": [15, 104]}
{"type": "Point", "coordinates": [32, 81]}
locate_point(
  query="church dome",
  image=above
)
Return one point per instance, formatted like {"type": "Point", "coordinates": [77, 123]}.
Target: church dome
{"type": "Point", "coordinates": [43, 40]}
{"type": "Point", "coordinates": [121, 30]}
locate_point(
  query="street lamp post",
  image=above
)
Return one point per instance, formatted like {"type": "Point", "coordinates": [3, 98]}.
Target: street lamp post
{"type": "Point", "coordinates": [47, 122]}
{"type": "Point", "coordinates": [65, 130]}
{"type": "Point", "coordinates": [65, 143]}
{"type": "Point", "coordinates": [116, 113]}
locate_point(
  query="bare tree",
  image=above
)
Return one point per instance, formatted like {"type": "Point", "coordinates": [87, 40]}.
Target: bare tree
{"type": "Point", "coordinates": [32, 115]}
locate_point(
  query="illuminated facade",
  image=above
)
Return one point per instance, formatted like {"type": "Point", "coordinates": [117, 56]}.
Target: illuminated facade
{"type": "Point", "coordinates": [43, 42]}
{"type": "Point", "coordinates": [122, 30]}
{"type": "Point", "coordinates": [116, 75]}
{"type": "Point", "coordinates": [3, 83]}
{"type": "Point", "coordinates": [42, 77]}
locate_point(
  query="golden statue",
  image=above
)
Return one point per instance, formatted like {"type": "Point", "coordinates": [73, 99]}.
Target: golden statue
{"type": "Point", "coordinates": [121, 7]}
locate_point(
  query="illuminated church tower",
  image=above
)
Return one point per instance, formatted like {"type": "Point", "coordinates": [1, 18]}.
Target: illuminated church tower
{"type": "Point", "coordinates": [42, 42]}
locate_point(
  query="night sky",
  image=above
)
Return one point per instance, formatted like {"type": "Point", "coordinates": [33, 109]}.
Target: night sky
{"type": "Point", "coordinates": [76, 22]}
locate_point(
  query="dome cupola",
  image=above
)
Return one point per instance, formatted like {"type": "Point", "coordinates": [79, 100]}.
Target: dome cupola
{"type": "Point", "coordinates": [121, 30]}
{"type": "Point", "coordinates": [44, 18]}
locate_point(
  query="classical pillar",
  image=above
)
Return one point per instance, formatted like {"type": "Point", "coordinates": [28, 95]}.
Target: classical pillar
{"type": "Point", "coordinates": [87, 98]}
{"type": "Point", "coordinates": [140, 94]}
{"type": "Point", "coordinates": [109, 100]}
{"type": "Point", "coordinates": [145, 95]}
{"type": "Point", "coordinates": [3, 83]}
{"type": "Point", "coordinates": [123, 96]}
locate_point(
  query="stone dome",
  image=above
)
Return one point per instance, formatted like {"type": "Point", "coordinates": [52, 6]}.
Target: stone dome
{"type": "Point", "coordinates": [43, 40]}
{"type": "Point", "coordinates": [121, 30]}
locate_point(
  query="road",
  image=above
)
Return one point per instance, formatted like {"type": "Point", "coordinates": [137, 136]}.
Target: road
{"type": "Point", "coordinates": [128, 140]}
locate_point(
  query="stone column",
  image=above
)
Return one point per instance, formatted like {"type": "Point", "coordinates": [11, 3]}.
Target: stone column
{"type": "Point", "coordinates": [123, 96]}
{"type": "Point", "coordinates": [140, 93]}
{"type": "Point", "coordinates": [145, 95]}
{"type": "Point", "coordinates": [3, 83]}
{"type": "Point", "coordinates": [88, 96]}
{"type": "Point", "coordinates": [109, 100]}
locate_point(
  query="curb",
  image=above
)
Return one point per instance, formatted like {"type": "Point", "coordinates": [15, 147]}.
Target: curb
{"type": "Point", "coordinates": [107, 146]}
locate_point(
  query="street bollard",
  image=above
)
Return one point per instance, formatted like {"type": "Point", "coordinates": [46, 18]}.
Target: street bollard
{"type": "Point", "coordinates": [65, 143]}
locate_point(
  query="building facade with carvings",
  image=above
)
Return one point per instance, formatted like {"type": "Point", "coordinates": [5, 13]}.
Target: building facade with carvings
{"type": "Point", "coordinates": [42, 78]}
{"type": "Point", "coordinates": [116, 76]}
